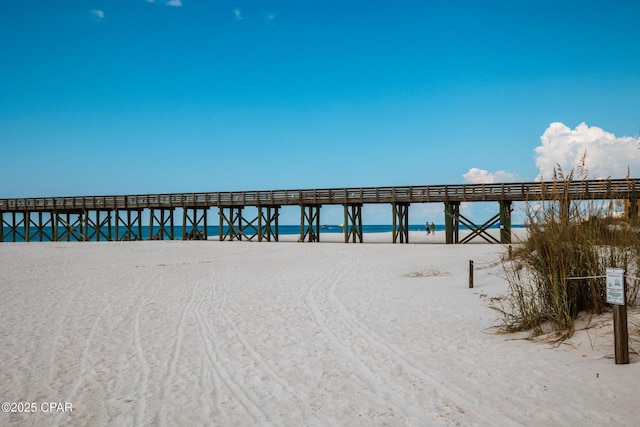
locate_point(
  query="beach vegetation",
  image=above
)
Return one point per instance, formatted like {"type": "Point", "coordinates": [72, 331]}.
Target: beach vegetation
{"type": "Point", "coordinates": [558, 270]}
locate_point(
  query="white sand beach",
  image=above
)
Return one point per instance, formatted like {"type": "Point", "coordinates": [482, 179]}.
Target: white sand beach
{"type": "Point", "coordinates": [202, 333]}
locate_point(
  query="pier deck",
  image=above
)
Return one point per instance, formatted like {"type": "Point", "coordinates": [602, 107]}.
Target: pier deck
{"type": "Point", "coordinates": [195, 205]}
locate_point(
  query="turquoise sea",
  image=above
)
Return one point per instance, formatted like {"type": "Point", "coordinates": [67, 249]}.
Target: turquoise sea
{"type": "Point", "coordinates": [212, 231]}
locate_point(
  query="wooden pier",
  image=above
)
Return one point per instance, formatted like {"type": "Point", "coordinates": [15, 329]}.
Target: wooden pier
{"type": "Point", "coordinates": [84, 218]}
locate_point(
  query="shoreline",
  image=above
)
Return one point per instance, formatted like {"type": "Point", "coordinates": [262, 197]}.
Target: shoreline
{"type": "Point", "coordinates": [415, 237]}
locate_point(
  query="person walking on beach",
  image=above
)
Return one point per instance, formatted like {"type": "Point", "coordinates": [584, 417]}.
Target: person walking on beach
{"type": "Point", "coordinates": [433, 229]}
{"type": "Point", "coordinates": [427, 227]}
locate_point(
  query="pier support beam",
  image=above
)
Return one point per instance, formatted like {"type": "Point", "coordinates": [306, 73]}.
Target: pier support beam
{"type": "Point", "coordinates": [453, 218]}
{"type": "Point", "coordinates": [264, 226]}
{"type": "Point", "coordinates": [14, 221]}
{"type": "Point", "coordinates": [400, 224]}
{"type": "Point", "coordinates": [479, 230]}
{"type": "Point", "coordinates": [565, 207]}
{"type": "Point", "coordinates": [451, 222]}
{"type": "Point", "coordinates": [192, 218]}
{"type": "Point", "coordinates": [70, 226]}
{"type": "Point", "coordinates": [98, 228]}
{"type": "Point", "coordinates": [233, 221]}
{"type": "Point", "coordinates": [353, 223]}
{"type": "Point", "coordinates": [310, 223]}
{"type": "Point", "coordinates": [129, 224]}
{"type": "Point", "coordinates": [505, 221]}
{"type": "Point", "coordinates": [37, 221]}
{"type": "Point", "coordinates": [163, 217]}
{"type": "Point", "coordinates": [268, 223]}
{"type": "Point", "coordinates": [632, 208]}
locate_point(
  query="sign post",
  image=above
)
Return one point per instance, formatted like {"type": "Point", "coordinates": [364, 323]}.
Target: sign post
{"type": "Point", "coordinates": [616, 295]}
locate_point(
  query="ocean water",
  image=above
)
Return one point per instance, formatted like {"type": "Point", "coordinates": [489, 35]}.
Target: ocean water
{"type": "Point", "coordinates": [212, 231]}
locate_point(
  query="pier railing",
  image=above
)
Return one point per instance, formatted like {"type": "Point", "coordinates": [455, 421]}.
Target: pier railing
{"type": "Point", "coordinates": [521, 191]}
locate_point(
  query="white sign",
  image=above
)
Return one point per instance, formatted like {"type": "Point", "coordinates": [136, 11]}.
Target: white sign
{"type": "Point", "coordinates": [615, 286]}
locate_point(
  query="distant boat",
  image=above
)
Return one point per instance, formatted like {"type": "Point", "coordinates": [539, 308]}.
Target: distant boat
{"type": "Point", "coordinates": [340, 225]}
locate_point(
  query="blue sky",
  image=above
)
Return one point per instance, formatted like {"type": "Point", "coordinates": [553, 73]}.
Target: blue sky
{"type": "Point", "coordinates": [134, 96]}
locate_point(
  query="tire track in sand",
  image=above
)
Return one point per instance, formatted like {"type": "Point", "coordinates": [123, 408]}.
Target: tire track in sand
{"type": "Point", "coordinates": [174, 355]}
{"type": "Point", "coordinates": [138, 416]}
{"type": "Point", "coordinates": [488, 417]}
{"type": "Point", "coordinates": [342, 343]}
{"type": "Point", "coordinates": [379, 363]}
{"type": "Point", "coordinates": [82, 370]}
{"type": "Point", "coordinates": [214, 356]}
{"type": "Point", "coordinates": [53, 347]}
{"type": "Point", "coordinates": [209, 378]}
{"type": "Point", "coordinates": [281, 386]}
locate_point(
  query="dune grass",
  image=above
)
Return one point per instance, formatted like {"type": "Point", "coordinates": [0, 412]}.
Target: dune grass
{"type": "Point", "coordinates": [558, 271]}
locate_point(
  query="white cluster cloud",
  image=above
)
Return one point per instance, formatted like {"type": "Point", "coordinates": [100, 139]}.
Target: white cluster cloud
{"type": "Point", "coordinates": [605, 154]}
{"type": "Point", "coordinates": [176, 3]}
{"type": "Point", "coordinates": [237, 13]}
{"type": "Point", "coordinates": [97, 14]}
{"type": "Point", "coordinates": [482, 176]}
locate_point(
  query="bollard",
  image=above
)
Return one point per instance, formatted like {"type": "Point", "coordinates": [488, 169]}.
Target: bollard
{"type": "Point", "coordinates": [616, 296]}
{"type": "Point", "coordinates": [470, 274]}
{"type": "Point", "coordinates": [620, 330]}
